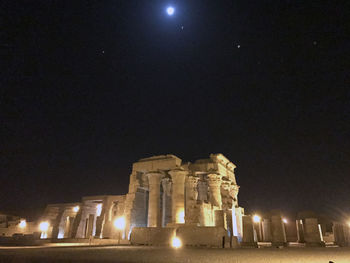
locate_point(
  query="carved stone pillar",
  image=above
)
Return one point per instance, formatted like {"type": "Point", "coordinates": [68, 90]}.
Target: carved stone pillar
{"type": "Point", "coordinates": [214, 181]}
{"type": "Point", "coordinates": [202, 190]}
{"type": "Point", "coordinates": [227, 200]}
{"type": "Point", "coordinates": [154, 199]}
{"type": "Point", "coordinates": [178, 195]}
{"type": "Point", "coordinates": [166, 216]}
{"type": "Point", "coordinates": [192, 212]}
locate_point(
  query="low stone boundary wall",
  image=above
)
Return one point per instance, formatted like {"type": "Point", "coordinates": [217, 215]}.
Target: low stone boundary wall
{"type": "Point", "coordinates": [203, 236]}
{"type": "Point", "coordinates": [156, 236]}
{"type": "Point", "coordinates": [189, 236]}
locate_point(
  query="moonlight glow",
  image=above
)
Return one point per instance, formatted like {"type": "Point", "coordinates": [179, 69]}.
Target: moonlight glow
{"type": "Point", "coordinates": [170, 10]}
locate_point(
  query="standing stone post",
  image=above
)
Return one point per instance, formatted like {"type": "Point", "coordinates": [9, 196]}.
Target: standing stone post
{"type": "Point", "coordinates": [202, 187]}
{"type": "Point", "coordinates": [214, 181]}
{"type": "Point", "coordinates": [154, 199]}
{"type": "Point", "coordinates": [166, 216]}
{"type": "Point", "coordinates": [191, 213]}
{"type": "Point", "coordinates": [312, 233]}
{"type": "Point", "coordinates": [248, 232]}
{"type": "Point", "coordinates": [278, 231]}
{"type": "Point", "coordinates": [339, 236]}
{"type": "Point", "coordinates": [300, 230]}
{"type": "Point", "coordinates": [266, 230]}
{"type": "Point", "coordinates": [178, 195]}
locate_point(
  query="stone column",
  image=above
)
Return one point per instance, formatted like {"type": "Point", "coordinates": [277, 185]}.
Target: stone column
{"type": "Point", "coordinates": [214, 181]}
{"type": "Point", "coordinates": [191, 188]}
{"type": "Point", "coordinates": [166, 216]}
{"type": "Point", "coordinates": [191, 209]}
{"type": "Point", "coordinates": [55, 223]}
{"type": "Point", "coordinates": [248, 232]}
{"type": "Point", "coordinates": [312, 233]}
{"type": "Point", "coordinates": [339, 236]}
{"type": "Point", "coordinates": [278, 231]}
{"type": "Point", "coordinates": [178, 196]}
{"type": "Point", "coordinates": [202, 190]}
{"type": "Point", "coordinates": [300, 230]}
{"type": "Point", "coordinates": [266, 230]}
{"type": "Point", "coordinates": [154, 199]}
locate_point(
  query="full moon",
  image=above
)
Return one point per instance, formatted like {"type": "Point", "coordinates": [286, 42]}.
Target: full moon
{"type": "Point", "coordinates": [170, 10]}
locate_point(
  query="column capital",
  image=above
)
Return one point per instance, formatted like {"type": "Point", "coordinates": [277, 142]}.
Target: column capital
{"type": "Point", "coordinates": [214, 179]}
{"type": "Point", "coordinates": [178, 176]}
{"type": "Point", "coordinates": [192, 180]}
{"type": "Point", "coordinates": [234, 190]}
{"type": "Point", "coordinates": [154, 177]}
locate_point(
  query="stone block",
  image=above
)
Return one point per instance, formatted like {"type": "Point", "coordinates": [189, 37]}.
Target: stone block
{"type": "Point", "coordinates": [278, 233]}
{"type": "Point", "coordinates": [156, 236]}
{"type": "Point", "coordinates": [202, 236]}
{"type": "Point", "coordinates": [312, 234]}
{"type": "Point", "coordinates": [248, 232]}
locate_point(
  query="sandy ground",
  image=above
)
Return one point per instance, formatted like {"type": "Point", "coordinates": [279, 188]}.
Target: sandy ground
{"type": "Point", "coordinates": [127, 254]}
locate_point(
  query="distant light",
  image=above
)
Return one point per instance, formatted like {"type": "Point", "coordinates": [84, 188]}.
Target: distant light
{"type": "Point", "coordinates": [170, 10]}
{"type": "Point", "coordinates": [22, 224]}
{"type": "Point", "coordinates": [256, 218]}
{"type": "Point", "coordinates": [60, 235]}
{"type": "Point", "coordinates": [176, 242]}
{"type": "Point", "coordinates": [44, 226]}
{"type": "Point", "coordinates": [349, 223]}
{"type": "Point", "coordinates": [98, 209]}
{"type": "Point", "coordinates": [76, 208]}
{"type": "Point", "coordinates": [119, 223]}
{"type": "Point", "coordinates": [285, 220]}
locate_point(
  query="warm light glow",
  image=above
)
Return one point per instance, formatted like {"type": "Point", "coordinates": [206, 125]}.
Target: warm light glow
{"type": "Point", "coordinates": [285, 220]}
{"type": "Point", "coordinates": [98, 209]}
{"type": "Point", "coordinates": [176, 242]}
{"type": "Point", "coordinates": [22, 224]}
{"type": "Point", "coordinates": [170, 10]}
{"type": "Point", "coordinates": [256, 218]}
{"type": "Point", "coordinates": [119, 223]}
{"type": "Point", "coordinates": [349, 223]}
{"type": "Point", "coordinates": [181, 217]}
{"type": "Point", "coordinates": [76, 208]}
{"type": "Point", "coordinates": [44, 226]}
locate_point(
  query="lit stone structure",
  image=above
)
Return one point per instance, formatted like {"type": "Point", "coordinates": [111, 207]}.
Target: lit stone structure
{"type": "Point", "coordinates": [166, 192]}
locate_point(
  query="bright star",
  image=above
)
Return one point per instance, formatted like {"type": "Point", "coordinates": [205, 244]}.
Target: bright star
{"type": "Point", "coordinates": [170, 10]}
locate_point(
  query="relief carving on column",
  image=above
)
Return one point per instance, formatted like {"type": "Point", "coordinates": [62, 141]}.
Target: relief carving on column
{"type": "Point", "coordinates": [214, 181]}
{"type": "Point", "coordinates": [225, 195]}
{"type": "Point", "coordinates": [192, 182]}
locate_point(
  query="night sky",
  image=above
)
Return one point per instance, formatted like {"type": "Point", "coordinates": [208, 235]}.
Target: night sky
{"type": "Point", "coordinates": [89, 87]}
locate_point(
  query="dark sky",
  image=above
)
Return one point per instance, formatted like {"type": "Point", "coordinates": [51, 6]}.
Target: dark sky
{"type": "Point", "coordinates": [89, 87]}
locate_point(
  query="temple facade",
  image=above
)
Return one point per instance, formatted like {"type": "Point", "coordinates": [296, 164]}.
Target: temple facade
{"type": "Point", "coordinates": [164, 192]}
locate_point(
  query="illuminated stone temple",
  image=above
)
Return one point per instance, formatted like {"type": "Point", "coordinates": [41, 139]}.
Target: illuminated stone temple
{"type": "Point", "coordinates": [166, 197]}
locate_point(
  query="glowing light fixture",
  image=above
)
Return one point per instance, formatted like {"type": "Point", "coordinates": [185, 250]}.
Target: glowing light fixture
{"type": "Point", "coordinates": [98, 209]}
{"type": "Point", "coordinates": [119, 223]}
{"type": "Point", "coordinates": [349, 223]}
{"type": "Point", "coordinates": [44, 226]}
{"type": "Point", "coordinates": [22, 224]}
{"type": "Point", "coordinates": [256, 218]}
{"type": "Point", "coordinates": [170, 10]}
{"type": "Point", "coordinates": [76, 208]}
{"type": "Point", "coordinates": [285, 220]}
{"type": "Point", "coordinates": [176, 242]}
